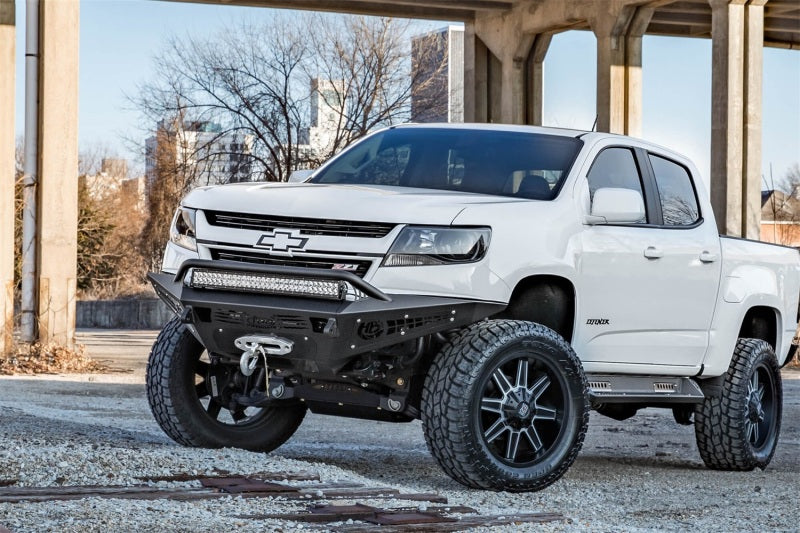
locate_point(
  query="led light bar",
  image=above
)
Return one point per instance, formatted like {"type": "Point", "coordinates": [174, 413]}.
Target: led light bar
{"type": "Point", "coordinates": [200, 278]}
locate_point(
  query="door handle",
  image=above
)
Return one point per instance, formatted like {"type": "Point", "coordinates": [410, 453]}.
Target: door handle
{"type": "Point", "coordinates": [707, 257]}
{"type": "Point", "coordinates": [651, 252]}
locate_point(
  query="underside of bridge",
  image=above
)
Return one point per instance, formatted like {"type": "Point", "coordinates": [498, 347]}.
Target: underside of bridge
{"type": "Point", "coordinates": [506, 42]}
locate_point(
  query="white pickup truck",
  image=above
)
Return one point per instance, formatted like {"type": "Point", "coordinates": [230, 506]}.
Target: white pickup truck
{"type": "Point", "coordinates": [497, 282]}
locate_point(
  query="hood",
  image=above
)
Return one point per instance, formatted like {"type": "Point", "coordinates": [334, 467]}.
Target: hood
{"type": "Point", "coordinates": [372, 203]}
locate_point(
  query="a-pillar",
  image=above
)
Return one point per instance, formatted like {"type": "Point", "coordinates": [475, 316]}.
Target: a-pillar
{"type": "Point", "coordinates": [737, 33]}
{"type": "Point", "coordinates": [619, 63]}
{"type": "Point", "coordinates": [7, 173]}
{"type": "Point", "coordinates": [58, 169]}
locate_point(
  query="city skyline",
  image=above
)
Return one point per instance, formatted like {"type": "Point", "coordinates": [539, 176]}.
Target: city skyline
{"type": "Point", "coordinates": [118, 39]}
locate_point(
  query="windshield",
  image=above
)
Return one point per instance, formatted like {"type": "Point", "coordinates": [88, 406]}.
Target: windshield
{"type": "Point", "coordinates": [503, 163]}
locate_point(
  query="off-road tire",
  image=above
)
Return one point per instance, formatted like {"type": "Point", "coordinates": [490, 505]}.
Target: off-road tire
{"type": "Point", "coordinates": [453, 393]}
{"type": "Point", "coordinates": [177, 408]}
{"type": "Point", "coordinates": [720, 421]}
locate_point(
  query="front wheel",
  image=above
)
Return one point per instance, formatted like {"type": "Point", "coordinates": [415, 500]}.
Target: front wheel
{"type": "Point", "coordinates": [189, 394]}
{"type": "Point", "coordinates": [738, 429]}
{"type": "Point", "coordinates": [505, 406]}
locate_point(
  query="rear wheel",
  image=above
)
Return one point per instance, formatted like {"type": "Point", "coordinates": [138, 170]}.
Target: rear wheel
{"type": "Point", "coordinates": [190, 396]}
{"type": "Point", "coordinates": [738, 429]}
{"type": "Point", "coordinates": [504, 406]}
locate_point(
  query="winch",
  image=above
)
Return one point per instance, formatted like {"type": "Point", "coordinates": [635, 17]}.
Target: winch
{"type": "Point", "coordinates": [259, 346]}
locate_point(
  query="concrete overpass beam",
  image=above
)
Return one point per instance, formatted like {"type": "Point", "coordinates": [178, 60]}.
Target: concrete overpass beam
{"type": "Point", "coordinates": [58, 169]}
{"type": "Point", "coordinates": [727, 116]}
{"type": "Point", "coordinates": [7, 173]}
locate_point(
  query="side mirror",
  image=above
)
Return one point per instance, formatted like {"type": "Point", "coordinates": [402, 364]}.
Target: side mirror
{"type": "Point", "coordinates": [299, 176]}
{"type": "Point", "coordinates": [616, 206]}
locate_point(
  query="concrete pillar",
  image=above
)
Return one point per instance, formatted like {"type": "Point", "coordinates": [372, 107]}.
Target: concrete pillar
{"type": "Point", "coordinates": [633, 70]}
{"type": "Point", "coordinates": [7, 173]}
{"type": "Point", "coordinates": [535, 88]}
{"type": "Point", "coordinates": [58, 169]}
{"type": "Point", "coordinates": [753, 75]}
{"type": "Point", "coordinates": [619, 65]}
{"type": "Point", "coordinates": [469, 71]}
{"type": "Point", "coordinates": [475, 76]}
{"type": "Point", "coordinates": [727, 117]}
{"type": "Point", "coordinates": [512, 97]}
{"type": "Point", "coordinates": [494, 87]}
{"type": "Point", "coordinates": [609, 29]}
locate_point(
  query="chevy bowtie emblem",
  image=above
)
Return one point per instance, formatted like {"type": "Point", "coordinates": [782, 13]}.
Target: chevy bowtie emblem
{"type": "Point", "coordinates": [286, 241]}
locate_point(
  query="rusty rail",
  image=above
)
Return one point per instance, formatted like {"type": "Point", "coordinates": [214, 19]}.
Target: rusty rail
{"type": "Point", "coordinates": [357, 517]}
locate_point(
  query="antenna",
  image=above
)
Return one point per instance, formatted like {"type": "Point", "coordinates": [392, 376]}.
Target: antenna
{"type": "Point", "coordinates": [594, 124]}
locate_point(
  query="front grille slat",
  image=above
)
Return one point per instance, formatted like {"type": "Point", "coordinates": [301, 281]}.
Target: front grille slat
{"type": "Point", "coordinates": [307, 226]}
{"type": "Point", "coordinates": [305, 262]}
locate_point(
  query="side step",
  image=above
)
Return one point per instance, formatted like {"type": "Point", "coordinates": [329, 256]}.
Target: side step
{"type": "Point", "coordinates": [620, 388]}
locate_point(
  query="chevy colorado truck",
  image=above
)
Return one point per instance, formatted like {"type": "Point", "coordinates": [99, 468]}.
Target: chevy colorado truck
{"type": "Point", "coordinates": [496, 282]}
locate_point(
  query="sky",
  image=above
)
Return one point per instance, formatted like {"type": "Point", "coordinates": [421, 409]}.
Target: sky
{"type": "Point", "coordinates": [119, 38]}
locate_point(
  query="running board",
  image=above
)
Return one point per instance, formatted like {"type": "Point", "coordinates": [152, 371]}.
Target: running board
{"type": "Point", "coordinates": [617, 388]}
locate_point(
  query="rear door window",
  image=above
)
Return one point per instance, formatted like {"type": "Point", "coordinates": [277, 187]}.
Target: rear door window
{"type": "Point", "coordinates": [676, 192]}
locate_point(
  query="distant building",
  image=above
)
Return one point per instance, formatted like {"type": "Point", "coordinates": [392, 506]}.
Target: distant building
{"type": "Point", "coordinates": [203, 151]}
{"type": "Point", "coordinates": [328, 117]}
{"type": "Point", "coordinates": [780, 218]}
{"type": "Point", "coordinates": [437, 60]}
{"type": "Point", "coordinates": [106, 183]}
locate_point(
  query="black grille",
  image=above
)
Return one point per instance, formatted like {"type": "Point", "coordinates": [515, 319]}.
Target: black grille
{"type": "Point", "coordinates": [361, 266]}
{"type": "Point", "coordinates": [307, 226]}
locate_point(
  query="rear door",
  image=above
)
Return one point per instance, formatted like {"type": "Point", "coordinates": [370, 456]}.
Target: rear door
{"type": "Point", "coordinates": [648, 289]}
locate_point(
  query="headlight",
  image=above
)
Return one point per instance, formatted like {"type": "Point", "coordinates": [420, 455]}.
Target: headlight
{"type": "Point", "coordinates": [416, 246]}
{"type": "Point", "coordinates": [182, 232]}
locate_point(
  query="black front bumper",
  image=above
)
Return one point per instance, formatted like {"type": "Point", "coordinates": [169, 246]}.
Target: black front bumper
{"type": "Point", "coordinates": [326, 334]}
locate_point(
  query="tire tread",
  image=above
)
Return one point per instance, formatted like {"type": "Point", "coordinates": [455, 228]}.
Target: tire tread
{"type": "Point", "coordinates": [444, 402]}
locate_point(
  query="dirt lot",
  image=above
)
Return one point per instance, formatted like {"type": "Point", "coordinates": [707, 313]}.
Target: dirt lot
{"type": "Point", "coordinates": [639, 475]}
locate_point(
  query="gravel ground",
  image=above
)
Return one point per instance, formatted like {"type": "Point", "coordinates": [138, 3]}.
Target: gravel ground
{"type": "Point", "coordinates": [643, 474]}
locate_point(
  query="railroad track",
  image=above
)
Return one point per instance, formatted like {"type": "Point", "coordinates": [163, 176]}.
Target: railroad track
{"type": "Point", "coordinates": [320, 511]}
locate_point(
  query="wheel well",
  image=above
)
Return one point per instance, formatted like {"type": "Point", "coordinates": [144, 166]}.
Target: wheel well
{"type": "Point", "coordinates": [547, 300]}
{"type": "Point", "coordinates": [760, 323]}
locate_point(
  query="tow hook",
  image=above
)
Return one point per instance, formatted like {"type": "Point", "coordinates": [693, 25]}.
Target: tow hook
{"type": "Point", "coordinates": [259, 346]}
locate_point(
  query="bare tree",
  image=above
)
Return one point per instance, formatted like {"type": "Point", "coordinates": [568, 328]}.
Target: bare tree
{"type": "Point", "coordinates": [246, 79]}
{"type": "Point", "coordinates": [172, 175]}
{"type": "Point", "coordinates": [373, 76]}
{"type": "Point", "coordinates": [256, 79]}
{"type": "Point", "coordinates": [109, 262]}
